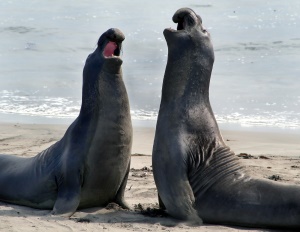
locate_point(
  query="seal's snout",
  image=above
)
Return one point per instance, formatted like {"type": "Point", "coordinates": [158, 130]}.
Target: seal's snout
{"type": "Point", "coordinates": [187, 20]}
{"type": "Point", "coordinates": [113, 47]}
{"type": "Point", "coordinates": [188, 25]}
{"type": "Point", "coordinates": [111, 43]}
{"type": "Point", "coordinates": [185, 17]}
{"type": "Point", "coordinates": [115, 35]}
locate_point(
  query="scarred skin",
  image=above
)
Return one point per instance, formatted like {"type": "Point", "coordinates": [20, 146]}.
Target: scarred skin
{"type": "Point", "coordinates": [197, 176]}
{"type": "Point", "coordinates": [89, 166]}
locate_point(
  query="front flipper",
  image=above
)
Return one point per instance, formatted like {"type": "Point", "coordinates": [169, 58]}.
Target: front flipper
{"type": "Point", "coordinates": [174, 189]}
{"type": "Point", "coordinates": [179, 200]}
{"type": "Point", "coordinates": [120, 194]}
{"type": "Point", "coordinates": [161, 204]}
{"type": "Point", "coordinates": [68, 195]}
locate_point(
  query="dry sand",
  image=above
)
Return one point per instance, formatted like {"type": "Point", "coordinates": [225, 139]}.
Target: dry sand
{"type": "Point", "coordinates": [275, 156]}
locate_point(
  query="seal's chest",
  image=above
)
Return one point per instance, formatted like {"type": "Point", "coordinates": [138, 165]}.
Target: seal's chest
{"type": "Point", "coordinates": [101, 183]}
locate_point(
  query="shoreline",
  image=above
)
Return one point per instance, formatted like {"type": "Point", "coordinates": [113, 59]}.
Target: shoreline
{"type": "Point", "coordinates": [8, 118]}
{"type": "Point", "coordinates": [254, 142]}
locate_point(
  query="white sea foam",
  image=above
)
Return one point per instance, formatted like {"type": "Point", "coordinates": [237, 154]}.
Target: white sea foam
{"type": "Point", "coordinates": [13, 102]}
{"type": "Point", "coordinates": [267, 119]}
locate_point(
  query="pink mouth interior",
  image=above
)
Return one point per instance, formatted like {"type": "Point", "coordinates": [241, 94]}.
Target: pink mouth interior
{"type": "Point", "coordinates": [109, 49]}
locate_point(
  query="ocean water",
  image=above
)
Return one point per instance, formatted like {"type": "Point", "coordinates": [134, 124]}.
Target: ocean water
{"type": "Point", "coordinates": [255, 81]}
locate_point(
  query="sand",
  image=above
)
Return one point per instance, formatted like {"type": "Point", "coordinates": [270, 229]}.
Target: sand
{"type": "Point", "coordinates": [266, 155]}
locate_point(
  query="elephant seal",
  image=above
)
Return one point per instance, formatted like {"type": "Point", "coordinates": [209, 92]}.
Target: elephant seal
{"type": "Point", "coordinates": [196, 174]}
{"type": "Point", "coordinates": [89, 166]}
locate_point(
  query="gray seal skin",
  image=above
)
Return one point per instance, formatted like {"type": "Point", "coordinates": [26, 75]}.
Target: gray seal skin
{"type": "Point", "coordinates": [196, 174]}
{"type": "Point", "coordinates": [89, 166]}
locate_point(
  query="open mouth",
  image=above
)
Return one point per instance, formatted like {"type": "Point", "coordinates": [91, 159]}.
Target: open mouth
{"type": "Point", "coordinates": [185, 24]}
{"type": "Point", "coordinates": [112, 49]}
{"type": "Point", "coordinates": [186, 20]}
{"type": "Point", "coordinates": [180, 26]}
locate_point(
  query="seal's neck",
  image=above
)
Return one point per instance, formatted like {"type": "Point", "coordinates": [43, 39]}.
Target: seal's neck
{"type": "Point", "coordinates": [103, 93]}
{"type": "Point", "coordinates": [187, 78]}
{"type": "Point", "coordinates": [96, 73]}
{"type": "Point", "coordinates": [90, 95]}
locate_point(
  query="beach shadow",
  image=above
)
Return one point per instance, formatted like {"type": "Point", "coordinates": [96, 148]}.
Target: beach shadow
{"type": "Point", "coordinates": [113, 214]}
{"type": "Point", "coordinates": [11, 210]}
{"type": "Point", "coordinates": [164, 220]}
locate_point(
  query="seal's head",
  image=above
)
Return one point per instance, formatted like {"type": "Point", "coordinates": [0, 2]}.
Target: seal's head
{"type": "Point", "coordinates": [191, 34]}
{"type": "Point", "coordinates": [190, 57]}
{"type": "Point", "coordinates": [104, 64]}
{"type": "Point", "coordinates": [106, 57]}
{"type": "Point", "coordinates": [109, 45]}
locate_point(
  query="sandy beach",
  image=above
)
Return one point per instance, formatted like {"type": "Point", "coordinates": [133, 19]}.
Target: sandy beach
{"type": "Point", "coordinates": [267, 155]}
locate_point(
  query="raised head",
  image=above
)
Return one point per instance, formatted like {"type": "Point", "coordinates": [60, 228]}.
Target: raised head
{"type": "Point", "coordinates": [190, 57]}
{"type": "Point", "coordinates": [109, 46]}
{"type": "Point", "coordinates": [191, 34]}
{"type": "Point", "coordinates": [104, 64]}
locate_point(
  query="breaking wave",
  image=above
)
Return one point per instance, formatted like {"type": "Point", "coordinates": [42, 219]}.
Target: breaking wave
{"type": "Point", "coordinates": [18, 103]}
